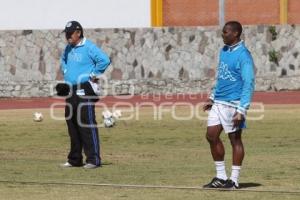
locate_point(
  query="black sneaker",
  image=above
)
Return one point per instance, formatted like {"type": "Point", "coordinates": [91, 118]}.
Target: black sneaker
{"type": "Point", "coordinates": [215, 183]}
{"type": "Point", "coordinates": [230, 185]}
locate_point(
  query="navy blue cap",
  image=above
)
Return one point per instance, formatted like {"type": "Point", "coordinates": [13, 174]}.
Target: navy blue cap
{"type": "Point", "coordinates": [72, 26]}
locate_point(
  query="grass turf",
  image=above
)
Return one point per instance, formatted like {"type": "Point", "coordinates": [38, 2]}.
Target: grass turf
{"type": "Point", "coordinates": [147, 152]}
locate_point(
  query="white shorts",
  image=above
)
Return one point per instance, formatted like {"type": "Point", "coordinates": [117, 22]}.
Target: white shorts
{"type": "Point", "coordinates": [221, 114]}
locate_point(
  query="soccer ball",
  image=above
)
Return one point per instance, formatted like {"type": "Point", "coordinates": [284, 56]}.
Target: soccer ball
{"type": "Point", "coordinates": [109, 119]}
{"type": "Point", "coordinates": [109, 122]}
{"type": "Point", "coordinates": [37, 117]}
{"type": "Point", "coordinates": [106, 114]}
{"type": "Point", "coordinates": [117, 114]}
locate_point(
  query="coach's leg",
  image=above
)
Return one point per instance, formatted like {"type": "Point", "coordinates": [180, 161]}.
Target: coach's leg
{"type": "Point", "coordinates": [217, 149]}
{"type": "Point", "coordinates": [89, 132]}
{"type": "Point", "coordinates": [75, 154]}
{"type": "Point", "coordinates": [237, 154]}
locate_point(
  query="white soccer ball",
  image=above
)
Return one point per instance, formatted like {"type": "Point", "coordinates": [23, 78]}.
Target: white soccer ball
{"type": "Point", "coordinates": [37, 117]}
{"type": "Point", "coordinates": [117, 114]}
{"type": "Point", "coordinates": [106, 114]}
{"type": "Point", "coordinates": [109, 122]}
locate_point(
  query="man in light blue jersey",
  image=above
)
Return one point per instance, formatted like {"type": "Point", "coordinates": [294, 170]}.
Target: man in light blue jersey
{"type": "Point", "coordinates": [228, 103]}
{"type": "Point", "coordinates": [81, 64]}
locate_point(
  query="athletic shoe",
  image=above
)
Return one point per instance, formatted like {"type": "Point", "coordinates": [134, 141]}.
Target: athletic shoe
{"type": "Point", "coordinates": [215, 183]}
{"type": "Point", "coordinates": [230, 185]}
{"type": "Point", "coordinates": [90, 166]}
{"type": "Point", "coordinates": [66, 165]}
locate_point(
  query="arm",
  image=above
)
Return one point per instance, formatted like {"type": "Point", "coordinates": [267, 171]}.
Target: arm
{"type": "Point", "coordinates": [63, 61]}
{"type": "Point", "coordinates": [247, 73]}
{"type": "Point", "coordinates": [213, 89]}
{"type": "Point", "coordinates": [100, 59]}
{"type": "Point", "coordinates": [210, 101]}
{"type": "Point", "coordinates": [62, 64]}
{"type": "Point", "coordinates": [212, 93]}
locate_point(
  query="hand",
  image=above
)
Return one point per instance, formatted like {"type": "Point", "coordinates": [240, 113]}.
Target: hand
{"type": "Point", "coordinates": [207, 105]}
{"type": "Point", "coordinates": [94, 79]}
{"type": "Point", "coordinates": [237, 119]}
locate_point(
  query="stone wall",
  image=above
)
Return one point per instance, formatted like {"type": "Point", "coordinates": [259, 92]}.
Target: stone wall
{"type": "Point", "coordinates": [149, 60]}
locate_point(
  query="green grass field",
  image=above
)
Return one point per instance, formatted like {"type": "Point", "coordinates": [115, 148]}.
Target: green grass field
{"type": "Point", "coordinates": [147, 152]}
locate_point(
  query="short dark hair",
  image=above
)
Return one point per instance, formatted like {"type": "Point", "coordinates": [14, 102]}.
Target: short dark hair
{"type": "Point", "coordinates": [236, 26]}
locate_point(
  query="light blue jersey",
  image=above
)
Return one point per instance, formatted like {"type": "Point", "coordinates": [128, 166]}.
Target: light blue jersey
{"type": "Point", "coordinates": [80, 62]}
{"type": "Point", "coordinates": [235, 78]}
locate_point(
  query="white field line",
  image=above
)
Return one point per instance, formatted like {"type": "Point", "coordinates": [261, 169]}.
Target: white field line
{"type": "Point", "coordinates": [296, 192]}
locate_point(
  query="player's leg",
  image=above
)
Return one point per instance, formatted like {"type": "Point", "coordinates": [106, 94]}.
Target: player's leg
{"type": "Point", "coordinates": [216, 145]}
{"type": "Point", "coordinates": [237, 158]}
{"type": "Point", "coordinates": [218, 153]}
{"type": "Point", "coordinates": [237, 147]}
{"type": "Point", "coordinates": [213, 132]}
{"type": "Point", "coordinates": [235, 136]}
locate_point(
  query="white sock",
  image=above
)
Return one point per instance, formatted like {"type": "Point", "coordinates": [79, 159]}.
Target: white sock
{"type": "Point", "coordinates": [235, 173]}
{"type": "Point", "coordinates": [220, 168]}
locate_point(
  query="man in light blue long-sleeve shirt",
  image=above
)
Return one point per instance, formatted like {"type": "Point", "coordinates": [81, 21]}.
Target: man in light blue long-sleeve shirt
{"type": "Point", "coordinates": [81, 64]}
{"type": "Point", "coordinates": [83, 61]}
{"type": "Point", "coordinates": [228, 103]}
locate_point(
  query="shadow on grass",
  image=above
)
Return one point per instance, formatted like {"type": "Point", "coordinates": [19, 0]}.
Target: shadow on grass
{"type": "Point", "coordinates": [249, 185]}
{"type": "Point", "coordinates": [106, 163]}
